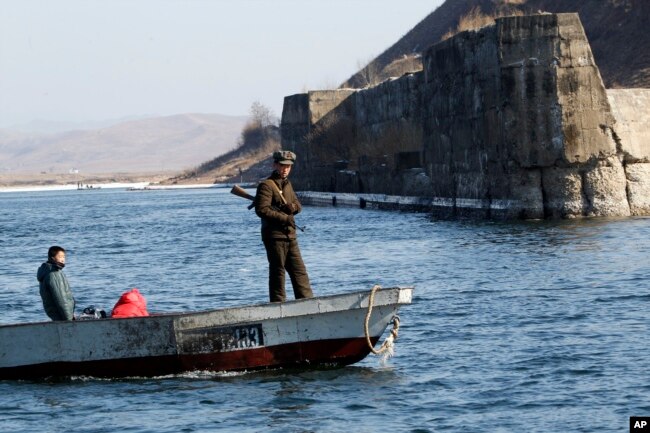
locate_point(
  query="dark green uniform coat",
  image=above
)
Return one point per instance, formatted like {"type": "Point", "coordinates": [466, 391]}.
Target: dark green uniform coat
{"type": "Point", "coordinates": [55, 292]}
{"type": "Point", "coordinates": [279, 237]}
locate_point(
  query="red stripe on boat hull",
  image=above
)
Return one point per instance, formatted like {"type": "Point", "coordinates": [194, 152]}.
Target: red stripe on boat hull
{"type": "Point", "coordinates": [311, 353]}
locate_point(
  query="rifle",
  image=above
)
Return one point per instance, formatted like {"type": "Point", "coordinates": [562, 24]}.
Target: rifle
{"type": "Point", "coordinates": [241, 192]}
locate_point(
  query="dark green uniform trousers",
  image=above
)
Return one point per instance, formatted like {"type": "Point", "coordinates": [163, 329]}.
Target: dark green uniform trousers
{"type": "Point", "coordinates": [284, 255]}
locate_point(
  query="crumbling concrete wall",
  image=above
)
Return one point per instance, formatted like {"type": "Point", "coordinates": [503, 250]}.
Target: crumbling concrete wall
{"type": "Point", "coordinates": [511, 121]}
{"type": "Point", "coordinates": [318, 125]}
{"type": "Point", "coordinates": [389, 135]}
{"type": "Point", "coordinates": [517, 116]}
{"type": "Point", "coordinates": [358, 141]}
{"type": "Point", "coordinates": [631, 109]}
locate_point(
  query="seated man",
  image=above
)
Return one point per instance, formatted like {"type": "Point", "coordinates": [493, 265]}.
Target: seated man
{"type": "Point", "coordinates": [55, 290]}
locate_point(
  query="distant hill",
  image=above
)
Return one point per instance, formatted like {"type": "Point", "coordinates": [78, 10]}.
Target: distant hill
{"type": "Point", "coordinates": [616, 30]}
{"type": "Point", "coordinates": [169, 143]}
{"type": "Point", "coordinates": [40, 126]}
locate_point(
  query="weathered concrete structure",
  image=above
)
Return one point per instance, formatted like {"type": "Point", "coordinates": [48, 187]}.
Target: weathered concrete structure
{"type": "Point", "coordinates": [510, 121]}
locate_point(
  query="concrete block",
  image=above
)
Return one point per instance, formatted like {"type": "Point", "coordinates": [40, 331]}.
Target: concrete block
{"type": "Point", "coordinates": [605, 189]}
{"type": "Point", "coordinates": [323, 102]}
{"type": "Point", "coordinates": [443, 185]}
{"type": "Point", "coordinates": [638, 188]}
{"type": "Point", "coordinates": [631, 109]}
{"type": "Point", "coordinates": [347, 181]}
{"type": "Point", "coordinates": [415, 182]}
{"type": "Point", "coordinates": [574, 51]}
{"type": "Point", "coordinates": [295, 109]}
{"type": "Point", "coordinates": [586, 117]}
{"type": "Point", "coordinates": [525, 187]}
{"type": "Point", "coordinates": [471, 185]}
{"type": "Point", "coordinates": [563, 192]}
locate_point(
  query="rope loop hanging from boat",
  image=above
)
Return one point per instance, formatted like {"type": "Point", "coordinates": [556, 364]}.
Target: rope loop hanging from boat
{"type": "Point", "coordinates": [387, 347]}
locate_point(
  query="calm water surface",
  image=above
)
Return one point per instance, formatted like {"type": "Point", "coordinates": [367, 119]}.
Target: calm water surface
{"type": "Point", "coordinates": [534, 326]}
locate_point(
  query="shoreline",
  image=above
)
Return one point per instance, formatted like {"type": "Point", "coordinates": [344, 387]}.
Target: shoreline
{"type": "Point", "coordinates": [24, 182]}
{"type": "Point", "coordinates": [134, 186]}
{"type": "Point", "coordinates": [71, 187]}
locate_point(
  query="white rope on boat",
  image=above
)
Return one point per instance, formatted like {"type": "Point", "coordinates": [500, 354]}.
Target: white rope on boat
{"type": "Point", "coordinates": [387, 347]}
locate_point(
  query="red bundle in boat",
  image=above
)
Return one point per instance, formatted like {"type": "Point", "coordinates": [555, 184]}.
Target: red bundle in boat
{"type": "Point", "coordinates": [130, 304]}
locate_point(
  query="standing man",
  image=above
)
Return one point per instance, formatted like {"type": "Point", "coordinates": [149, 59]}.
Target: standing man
{"type": "Point", "coordinates": [276, 204]}
{"type": "Point", "coordinates": [55, 290]}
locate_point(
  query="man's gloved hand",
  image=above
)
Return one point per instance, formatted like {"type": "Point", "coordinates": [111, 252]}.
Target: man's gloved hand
{"type": "Point", "coordinates": [289, 208]}
{"type": "Point", "coordinates": [290, 221]}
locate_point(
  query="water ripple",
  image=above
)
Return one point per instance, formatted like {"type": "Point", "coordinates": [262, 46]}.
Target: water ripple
{"type": "Point", "coordinates": [514, 326]}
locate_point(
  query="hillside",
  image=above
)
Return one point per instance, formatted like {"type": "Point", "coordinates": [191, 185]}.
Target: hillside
{"type": "Point", "coordinates": [616, 30]}
{"type": "Point", "coordinates": [249, 162]}
{"type": "Point", "coordinates": [170, 143]}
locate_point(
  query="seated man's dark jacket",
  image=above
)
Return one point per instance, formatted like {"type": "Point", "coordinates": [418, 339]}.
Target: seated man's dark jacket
{"type": "Point", "coordinates": [55, 292]}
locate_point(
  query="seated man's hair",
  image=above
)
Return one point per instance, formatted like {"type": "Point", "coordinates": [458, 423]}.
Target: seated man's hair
{"type": "Point", "coordinates": [54, 250]}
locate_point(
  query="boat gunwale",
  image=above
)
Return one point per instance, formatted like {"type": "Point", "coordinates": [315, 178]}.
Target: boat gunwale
{"type": "Point", "coordinates": [179, 315]}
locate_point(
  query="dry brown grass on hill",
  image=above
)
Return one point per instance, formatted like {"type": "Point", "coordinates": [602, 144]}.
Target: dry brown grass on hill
{"type": "Point", "coordinates": [404, 65]}
{"type": "Point", "coordinates": [615, 29]}
{"type": "Point", "coordinates": [476, 19]}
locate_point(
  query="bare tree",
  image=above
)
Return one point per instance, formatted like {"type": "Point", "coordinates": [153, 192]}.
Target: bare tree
{"type": "Point", "coordinates": [262, 115]}
{"type": "Point", "coordinates": [370, 74]}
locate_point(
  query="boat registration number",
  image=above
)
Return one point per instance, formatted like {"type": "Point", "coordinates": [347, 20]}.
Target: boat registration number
{"type": "Point", "coordinates": [222, 339]}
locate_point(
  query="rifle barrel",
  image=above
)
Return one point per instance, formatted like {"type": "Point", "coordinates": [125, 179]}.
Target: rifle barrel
{"type": "Point", "coordinates": [241, 192]}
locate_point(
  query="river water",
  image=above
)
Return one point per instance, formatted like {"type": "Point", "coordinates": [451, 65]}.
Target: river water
{"type": "Point", "coordinates": [526, 326]}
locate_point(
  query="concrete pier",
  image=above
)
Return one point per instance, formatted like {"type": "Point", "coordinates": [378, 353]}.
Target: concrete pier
{"type": "Point", "coordinates": [510, 121]}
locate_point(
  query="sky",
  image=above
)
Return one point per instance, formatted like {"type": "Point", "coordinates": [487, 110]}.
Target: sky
{"type": "Point", "coordinates": [92, 60]}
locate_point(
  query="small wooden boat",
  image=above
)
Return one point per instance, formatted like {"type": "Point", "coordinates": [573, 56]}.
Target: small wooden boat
{"type": "Point", "coordinates": [322, 331]}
